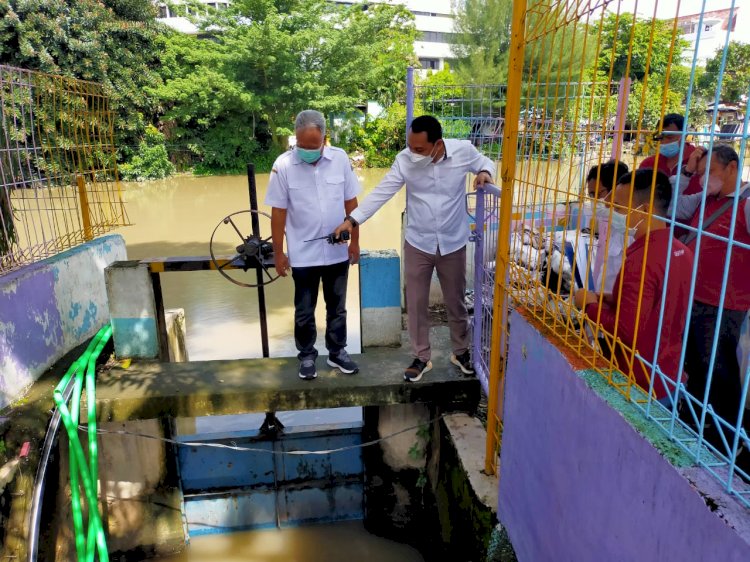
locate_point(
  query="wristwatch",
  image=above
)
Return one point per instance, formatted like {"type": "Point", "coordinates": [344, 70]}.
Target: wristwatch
{"type": "Point", "coordinates": [686, 173]}
{"type": "Point", "coordinates": [353, 222]}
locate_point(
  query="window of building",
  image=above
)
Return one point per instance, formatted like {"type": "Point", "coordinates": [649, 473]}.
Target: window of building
{"type": "Point", "coordinates": [708, 27]}
{"type": "Point", "coordinates": [436, 37]}
{"type": "Point", "coordinates": [688, 28]}
{"type": "Point", "coordinates": [163, 12]}
{"type": "Point", "coordinates": [431, 14]}
{"type": "Point", "coordinates": [430, 64]}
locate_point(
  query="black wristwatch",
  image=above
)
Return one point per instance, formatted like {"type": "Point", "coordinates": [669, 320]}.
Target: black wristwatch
{"type": "Point", "coordinates": [686, 173]}
{"type": "Point", "coordinates": [353, 222]}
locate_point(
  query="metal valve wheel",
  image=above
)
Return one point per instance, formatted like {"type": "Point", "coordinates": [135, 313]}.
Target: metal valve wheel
{"type": "Point", "coordinates": [254, 252]}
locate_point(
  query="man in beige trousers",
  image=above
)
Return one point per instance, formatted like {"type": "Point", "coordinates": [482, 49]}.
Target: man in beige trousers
{"type": "Point", "coordinates": [437, 230]}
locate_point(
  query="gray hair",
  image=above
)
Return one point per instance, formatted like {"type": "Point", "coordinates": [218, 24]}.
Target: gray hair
{"type": "Point", "coordinates": [310, 118]}
{"type": "Point", "coordinates": [725, 154]}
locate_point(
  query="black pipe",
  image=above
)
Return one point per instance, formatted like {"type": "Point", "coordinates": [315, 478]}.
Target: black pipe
{"type": "Point", "coordinates": [258, 270]}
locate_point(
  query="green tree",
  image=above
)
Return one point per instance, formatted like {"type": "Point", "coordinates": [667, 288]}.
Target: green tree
{"type": "Point", "coordinates": [205, 112]}
{"type": "Point", "coordinates": [556, 50]}
{"type": "Point", "coordinates": [221, 93]}
{"type": "Point", "coordinates": [317, 55]}
{"type": "Point", "coordinates": [735, 83]}
{"type": "Point", "coordinates": [628, 41]}
{"type": "Point", "coordinates": [112, 42]}
{"type": "Point", "coordinates": [151, 162]}
{"type": "Point", "coordinates": [647, 51]}
{"type": "Point", "coordinates": [482, 40]}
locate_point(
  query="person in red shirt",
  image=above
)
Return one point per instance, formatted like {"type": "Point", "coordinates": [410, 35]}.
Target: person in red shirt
{"type": "Point", "coordinates": [646, 258]}
{"type": "Point", "coordinates": [722, 167]}
{"type": "Point", "coordinates": [667, 160]}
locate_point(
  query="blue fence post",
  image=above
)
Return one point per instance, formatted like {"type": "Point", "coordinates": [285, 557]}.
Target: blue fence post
{"type": "Point", "coordinates": [409, 98]}
{"type": "Point", "coordinates": [476, 351]}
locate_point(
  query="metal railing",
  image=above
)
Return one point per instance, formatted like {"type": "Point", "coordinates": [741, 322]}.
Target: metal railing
{"type": "Point", "coordinates": [550, 252]}
{"type": "Point", "coordinates": [58, 171]}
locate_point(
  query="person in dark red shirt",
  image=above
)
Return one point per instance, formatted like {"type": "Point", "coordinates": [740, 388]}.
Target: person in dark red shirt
{"type": "Point", "coordinates": [667, 160]}
{"type": "Point", "coordinates": [646, 259]}
{"type": "Point", "coordinates": [722, 167]}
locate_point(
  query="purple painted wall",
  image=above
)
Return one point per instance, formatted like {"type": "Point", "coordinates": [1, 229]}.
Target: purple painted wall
{"type": "Point", "coordinates": [50, 307]}
{"type": "Point", "coordinates": [579, 483]}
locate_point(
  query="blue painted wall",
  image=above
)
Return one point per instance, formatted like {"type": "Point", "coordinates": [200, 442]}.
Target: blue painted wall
{"type": "Point", "coordinates": [50, 307]}
{"type": "Point", "coordinates": [380, 279]}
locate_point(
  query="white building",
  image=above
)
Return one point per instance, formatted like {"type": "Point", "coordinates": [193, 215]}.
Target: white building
{"type": "Point", "coordinates": [433, 19]}
{"type": "Point", "coordinates": [712, 34]}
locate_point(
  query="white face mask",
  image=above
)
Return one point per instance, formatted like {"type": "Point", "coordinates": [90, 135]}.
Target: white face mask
{"type": "Point", "coordinates": [620, 236]}
{"type": "Point", "coordinates": [422, 160]}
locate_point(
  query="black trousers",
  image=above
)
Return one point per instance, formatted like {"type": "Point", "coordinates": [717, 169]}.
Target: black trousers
{"type": "Point", "coordinates": [724, 394]}
{"type": "Point", "coordinates": [306, 286]}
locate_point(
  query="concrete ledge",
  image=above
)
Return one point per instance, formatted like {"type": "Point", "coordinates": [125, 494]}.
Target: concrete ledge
{"type": "Point", "coordinates": [465, 498]}
{"type": "Point", "coordinates": [204, 388]}
{"type": "Point", "coordinates": [469, 438]}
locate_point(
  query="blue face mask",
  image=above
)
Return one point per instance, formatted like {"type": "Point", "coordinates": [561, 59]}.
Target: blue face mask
{"type": "Point", "coordinates": [309, 155]}
{"type": "Point", "coordinates": [669, 150]}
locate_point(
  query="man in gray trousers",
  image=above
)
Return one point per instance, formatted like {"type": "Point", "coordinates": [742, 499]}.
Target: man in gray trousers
{"type": "Point", "coordinates": [434, 171]}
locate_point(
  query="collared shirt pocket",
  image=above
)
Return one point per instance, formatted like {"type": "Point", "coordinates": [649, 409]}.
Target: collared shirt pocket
{"type": "Point", "coordinates": [334, 188]}
{"type": "Point", "coordinates": [303, 195]}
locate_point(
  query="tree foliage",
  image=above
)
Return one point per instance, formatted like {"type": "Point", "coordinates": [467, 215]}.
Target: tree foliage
{"type": "Point", "coordinates": [112, 42]}
{"type": "Point", "coordinates": [735, 83]}
{"type": "Point", "coordinates": [482, 40]}
{"type": "Point", "coordinates": [151, 162]}
{"type": "Point", "coordinates": [636, 47]}
{"type": "Point", "coordinates": [265, 60]}
{"type": "Point", "coordinates": [556, 49]}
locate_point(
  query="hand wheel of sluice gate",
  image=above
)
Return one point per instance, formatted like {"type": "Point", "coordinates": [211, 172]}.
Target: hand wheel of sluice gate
{"type": "Point", "coordinates": [254, 252]}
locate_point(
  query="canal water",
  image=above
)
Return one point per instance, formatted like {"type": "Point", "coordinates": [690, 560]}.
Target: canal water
{"type": "Point", "coordinates": [338, 542]}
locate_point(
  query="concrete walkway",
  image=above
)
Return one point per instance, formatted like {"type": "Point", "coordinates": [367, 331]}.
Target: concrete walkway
{"type": "Point", "coordinates": [149, 390]}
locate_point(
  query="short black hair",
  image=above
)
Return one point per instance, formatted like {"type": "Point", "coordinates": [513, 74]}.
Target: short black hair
{"type": "Point", "coordinates": [427, 124]}
{"type": "Point", "coordinates": [644, 179]}
{"type": "Point", "coordinates": [673, 119]}
{"type": "Point", "coordinates": [725, 154]}
{"type": "Point", "coordinates": [608, 173]}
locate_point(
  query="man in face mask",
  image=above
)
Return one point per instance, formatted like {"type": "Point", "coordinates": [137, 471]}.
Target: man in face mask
{"type": "Point", "coordinates": [311, 189]}
{"type": "Point", "coordinates": [650, 241]}
{"type": "Point", "coordinates": [719, 171]}
{"type": "Point", "coordinates": [434, 171]}
{"type": "Point", "coordinates": [668, 160]}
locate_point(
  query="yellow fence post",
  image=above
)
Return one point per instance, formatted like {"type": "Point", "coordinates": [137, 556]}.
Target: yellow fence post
{"type": "Point", "coordinates": [500, 304]}
{"type": "Point", "coordinates": [88, 233]}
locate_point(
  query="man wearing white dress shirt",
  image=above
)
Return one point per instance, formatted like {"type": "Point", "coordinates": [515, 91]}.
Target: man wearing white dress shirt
{"type": "Point", "coordinates": [434, 171]}
{"type": "Point", "coordinates": [311, 189]}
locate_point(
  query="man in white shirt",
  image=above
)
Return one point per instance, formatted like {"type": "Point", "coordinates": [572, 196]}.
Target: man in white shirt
{"type": "Point", "coordinates": [311, 189]}
{"type": "Point", "coordinates": [434, 171]}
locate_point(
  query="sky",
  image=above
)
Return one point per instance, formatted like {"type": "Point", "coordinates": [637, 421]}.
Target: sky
{"type": "Point", "coordinates": [668, 8]}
